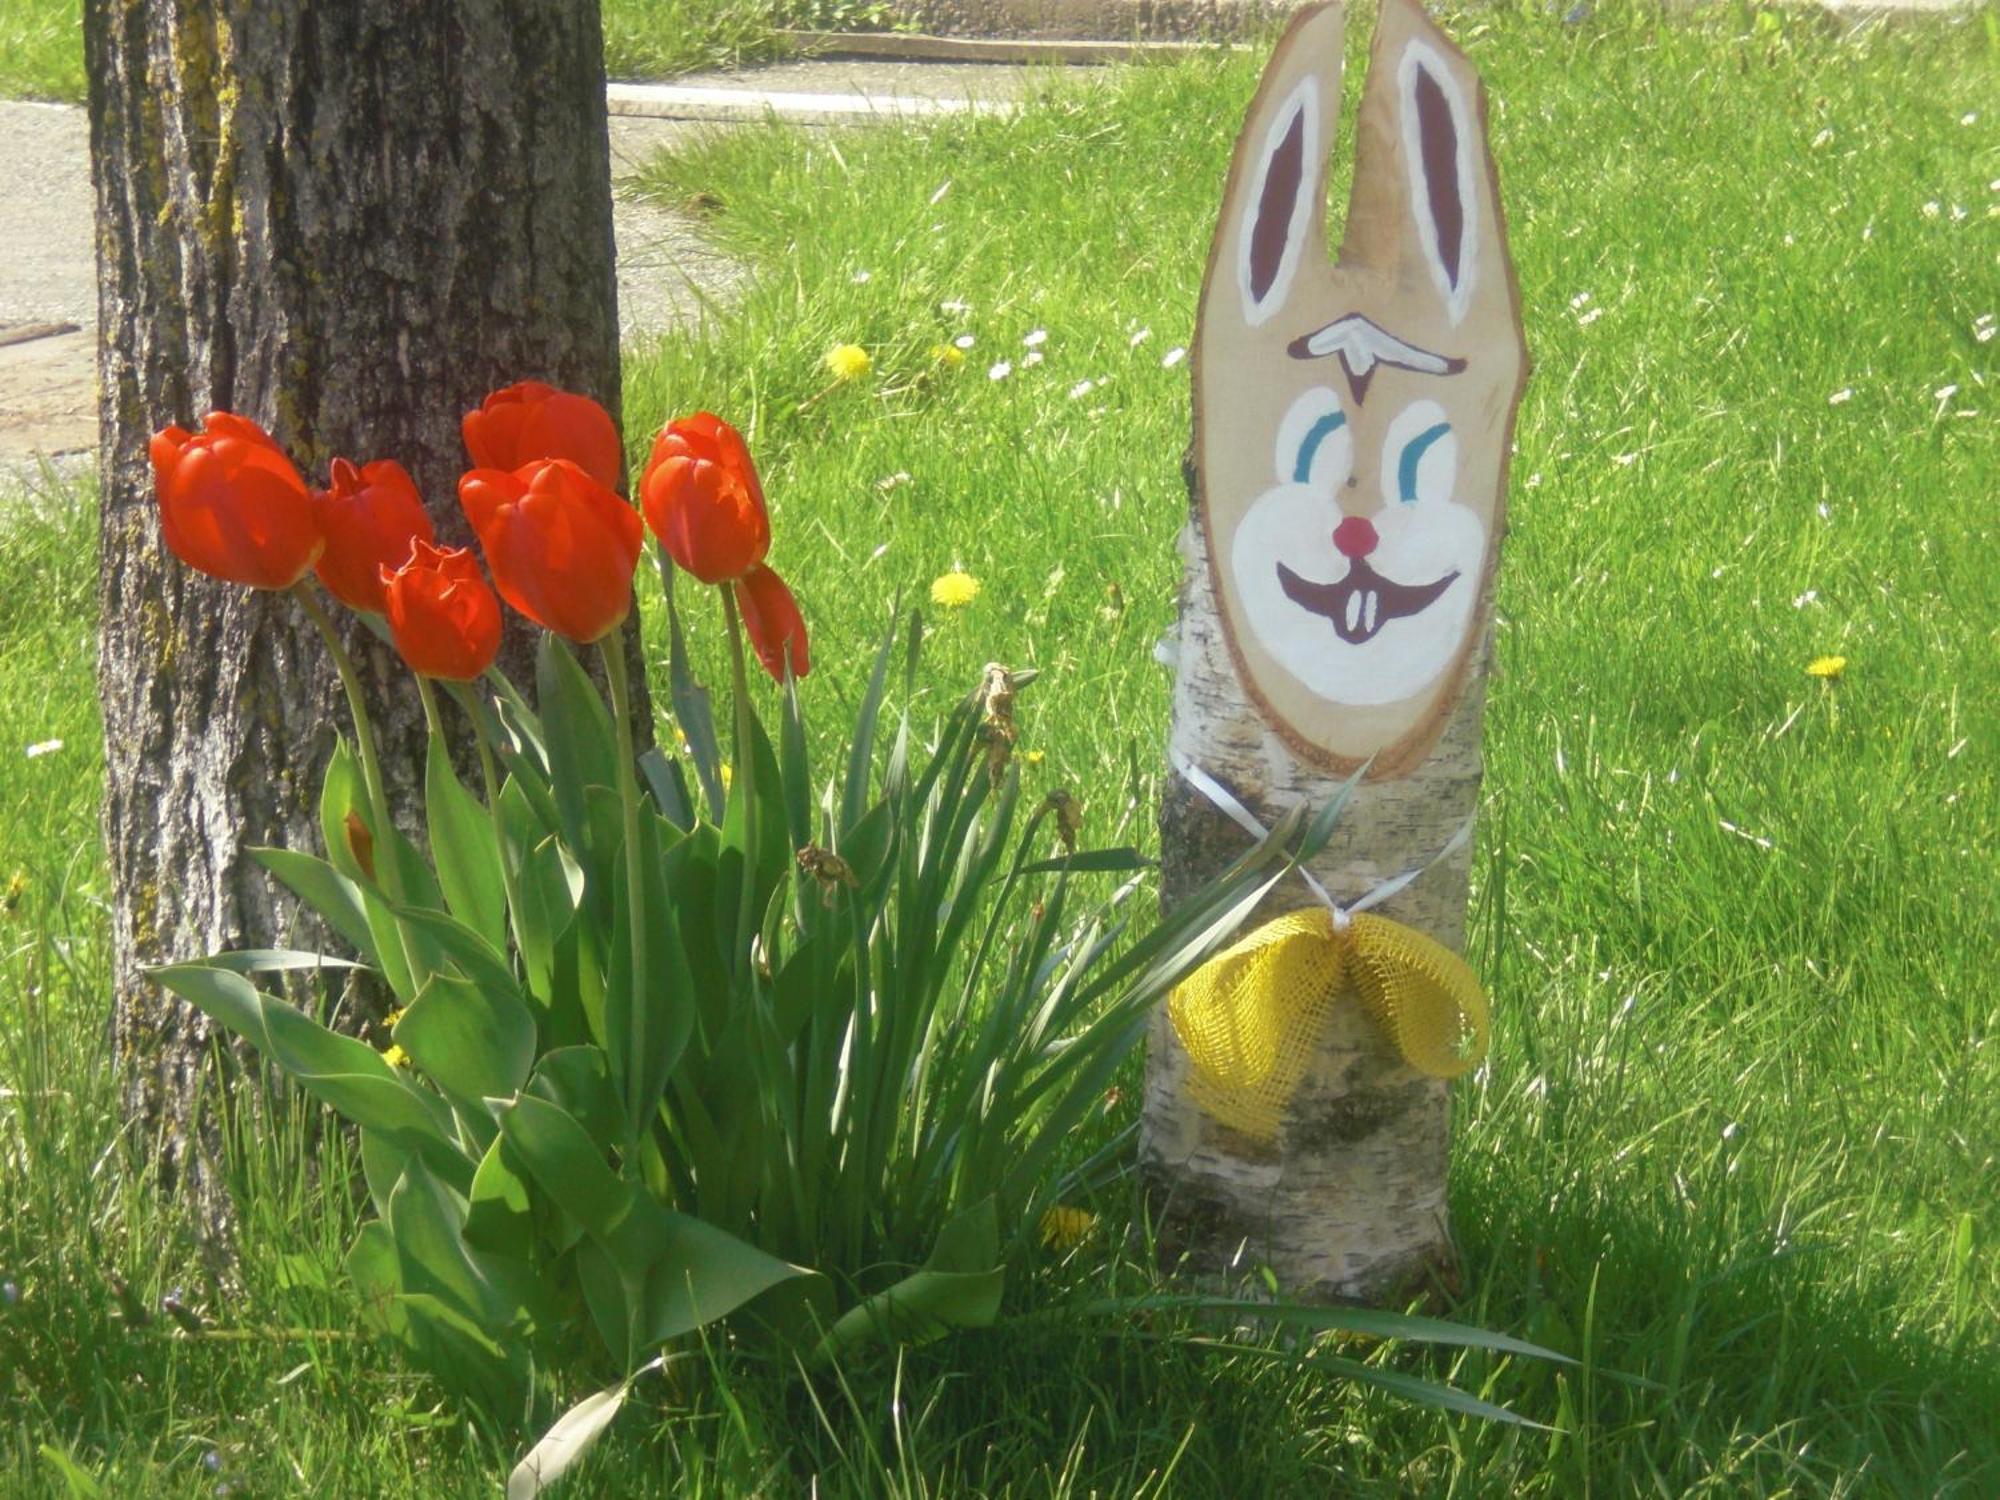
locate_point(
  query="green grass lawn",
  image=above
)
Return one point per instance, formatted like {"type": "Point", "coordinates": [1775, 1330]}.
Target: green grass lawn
{"type": "Point", "coordinates": [1735, 1146]}
{"type": "Point", "coordinates": [41, 41]}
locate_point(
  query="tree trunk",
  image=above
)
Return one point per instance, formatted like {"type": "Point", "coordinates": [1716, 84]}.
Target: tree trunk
{"type": "Point", "coordinates": [348, 222]}
{"type": "Point", "coordinates": [1349, 1202]}
{"type": "Point", "coordinates": [1352, 423]}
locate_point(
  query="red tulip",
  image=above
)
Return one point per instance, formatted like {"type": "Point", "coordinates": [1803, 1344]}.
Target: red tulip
{"type": "Point", "coordinates": [370, 518]}
{"type": "Point", "coordinates": [561, 546]}
{"type": "Point", "coordinates": [772, 620]}
{"type": "Point", "coordinates": [703, 500]}
{"type": "Point", "coordinates": [530, 420]}
{"type": "Point", "coordinates": [232, 504]}
{"type": "Point", "coordinates": [442, 616]}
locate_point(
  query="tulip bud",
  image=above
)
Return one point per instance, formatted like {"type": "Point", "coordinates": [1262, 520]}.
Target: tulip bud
{"type": "Point", "coordinates": [442, 616]}
{"type": "Point", "coordinates": [530, 421]}
{"type": "Point", "coordinates": [232, 505]}
{"type": "Point", "coordinates": [561, 546]}
{"type": "Point", "coordinates": [703, 501]}
{"type": "Point", "coordinates": [369, 517]}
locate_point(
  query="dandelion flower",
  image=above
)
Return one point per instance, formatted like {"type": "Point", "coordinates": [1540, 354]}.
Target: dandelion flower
{"type": "Point", "coordinates": [1826, 668]}
{"type": "Point", "coordinates": [949, 355]}
{"type": "Point", "coordinates": [848, 362]}
{"type": "Point", "coordinates": [1032, 757]}
{"type": "Point", "coordinates": [1064, 1228]}
{"type": "Point", "coordinates": [954, 590]}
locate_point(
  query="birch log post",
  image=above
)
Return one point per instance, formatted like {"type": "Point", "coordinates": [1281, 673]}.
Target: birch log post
{"type": "Point", "coordinates": [1352, 423]}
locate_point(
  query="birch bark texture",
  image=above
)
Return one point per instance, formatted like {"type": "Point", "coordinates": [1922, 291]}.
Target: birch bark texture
{"type": "Point", "coordinates": [1352, 424]}
{"type": "Point", "coordinates": [349, 223]}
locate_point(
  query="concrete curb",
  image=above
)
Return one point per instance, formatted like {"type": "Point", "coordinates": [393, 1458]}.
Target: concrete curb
{"type": "Point", "coordinates": [1044, 52]}
{"type": "Point", "coordinates": [1091, 20]}
{"type": "Point", "coordinates": [668, 101]}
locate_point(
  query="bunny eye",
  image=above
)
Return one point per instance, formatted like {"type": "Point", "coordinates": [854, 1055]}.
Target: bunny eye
{"type": "Point", "coordinates": [1419, 456]}
{"type": "Point", "coordinates": [1315, 446]}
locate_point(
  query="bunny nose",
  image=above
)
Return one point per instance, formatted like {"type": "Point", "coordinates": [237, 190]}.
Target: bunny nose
{"type": "Point", "coordinates": [1355, 536]}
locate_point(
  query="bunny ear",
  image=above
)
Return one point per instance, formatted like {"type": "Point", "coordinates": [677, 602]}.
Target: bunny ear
{"type": "Point", "coordinates": [1424, 192]}
{"type": "Point", "coordinates": [1437, 148]}
{"type": "Point", "coordinates": [1274, 209]}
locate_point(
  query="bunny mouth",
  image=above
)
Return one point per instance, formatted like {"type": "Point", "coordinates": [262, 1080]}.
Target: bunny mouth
{"type": "Point", "coordinates": [1364, 601]}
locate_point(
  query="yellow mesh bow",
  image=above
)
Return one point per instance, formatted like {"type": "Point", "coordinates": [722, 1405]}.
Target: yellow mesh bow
{"type": "Point", "coordinates": [1250, 1017]}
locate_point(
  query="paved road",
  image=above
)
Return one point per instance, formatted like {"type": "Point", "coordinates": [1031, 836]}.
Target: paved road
{"type": "Point", "coordinates": [48, 277]}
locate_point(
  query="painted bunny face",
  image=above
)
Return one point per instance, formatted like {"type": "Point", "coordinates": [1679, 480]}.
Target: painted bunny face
{"type": "Point", "coordinates": [1352, 420]}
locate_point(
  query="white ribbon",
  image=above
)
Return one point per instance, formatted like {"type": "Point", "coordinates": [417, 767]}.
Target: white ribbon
{"type": "Point", "coordinates": [1227, 802]}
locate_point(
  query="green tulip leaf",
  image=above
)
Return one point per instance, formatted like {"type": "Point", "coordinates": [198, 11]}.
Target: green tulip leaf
{"type": "Point", "coordinates": [580, 738]}
{"type": "Point", "coordinates": [472, 1040]}
{"type": "Point", "coordinates": [331, 894]}
{"type": "Point", "coordinates": [465, 848]}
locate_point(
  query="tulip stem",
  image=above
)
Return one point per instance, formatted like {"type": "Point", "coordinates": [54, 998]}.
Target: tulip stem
{"type": "Point", "coordinates": [364, 734]}
{"type": "Point", "coordinates": [431, 719]}
{"type": "Point", "coordinates": [613, 649]}
{"type": "Point", "coordinates": [488, 772]}
{"type": "Point", "coordinates": [745, 780]}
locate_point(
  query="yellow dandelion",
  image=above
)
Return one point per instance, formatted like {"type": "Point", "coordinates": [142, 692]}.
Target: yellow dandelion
{"type": "Point", "coordinates": [1065, 1228]}
{"type": "Point", "coordinates": [954, 590]}
{"type": "Point", "coordinates": [1826, 668]}
{"type": "Point", "coordinates": [949, 355]}
{"type": "Point", "coordinates": [848, 362]}
{"type": "Point", "coordinates": [1032, 757]}
{"type": "Point", "coordinates": [395, 1056]}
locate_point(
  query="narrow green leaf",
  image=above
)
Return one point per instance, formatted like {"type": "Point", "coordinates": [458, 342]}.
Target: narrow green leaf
{"type": "Point", "coordinates": [1120, 861]}
{"type": "Point", "coordinates": [861, 751]}
{"type": "Point", "coordinates": [342, 793]}
{"type": "Point", "coordinates": [465, 848]}
{"type": "Point", "coordinates": [690, 700]}
{"type": "Point", "coordinates": [350, 1076]}
{"type": "Point", "coordinates": [372, 1267]}
{"type": "Point", "coordinates": [562, 1445]}
{"type": "Point", "coordinates": [76, 1479]}
{"type": "Point", "coordinates": [335, 897]}
{"type": "Point", "coordinates": [277, 961]}
{"type": "Point", "coordinates": [581, 742]}
{"type": "Point", "coordinates": [668, 786]}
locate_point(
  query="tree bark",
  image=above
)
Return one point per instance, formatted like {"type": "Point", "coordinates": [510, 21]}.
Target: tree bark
{"type": "Point", "coordinates": [348, 222]}
{"type": "Point", "coordinates": [1348, 1203]}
